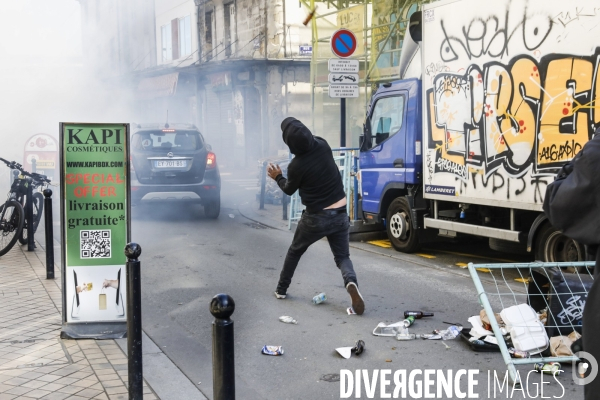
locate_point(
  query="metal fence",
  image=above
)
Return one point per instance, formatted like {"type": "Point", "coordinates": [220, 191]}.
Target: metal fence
{"type": "Point", "coordinates": [347, 162]}
{"type": "Point", "coordinates": [559, 288]}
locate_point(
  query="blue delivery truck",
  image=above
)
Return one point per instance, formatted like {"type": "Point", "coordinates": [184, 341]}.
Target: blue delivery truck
{"type": "Point", "coordinates": [493, 102]}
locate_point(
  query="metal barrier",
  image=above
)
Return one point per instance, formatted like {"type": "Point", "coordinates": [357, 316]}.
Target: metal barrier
{"type": "Point", "coordinates": [541, 285]}
{"type": "Point", "coordinates": [347, 161]}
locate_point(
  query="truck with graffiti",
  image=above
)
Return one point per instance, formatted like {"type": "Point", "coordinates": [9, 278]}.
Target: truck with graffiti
{"type": "Point", "coordinates": [494, 100]}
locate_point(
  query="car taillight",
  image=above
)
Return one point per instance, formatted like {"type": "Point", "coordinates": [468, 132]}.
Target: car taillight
{"type": "Point", "coordinates": [211, 160]}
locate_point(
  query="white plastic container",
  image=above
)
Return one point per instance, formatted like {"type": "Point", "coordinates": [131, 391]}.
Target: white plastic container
{"type": "Point", "coordinates": [526, 330]}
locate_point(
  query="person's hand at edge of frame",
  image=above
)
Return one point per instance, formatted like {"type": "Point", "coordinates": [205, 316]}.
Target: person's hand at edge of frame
{"type": "Point", "coordinates": [274, 171]}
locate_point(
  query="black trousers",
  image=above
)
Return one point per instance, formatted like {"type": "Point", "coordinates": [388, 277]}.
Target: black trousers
{"type": "Point", "coordinates": [313, 227]}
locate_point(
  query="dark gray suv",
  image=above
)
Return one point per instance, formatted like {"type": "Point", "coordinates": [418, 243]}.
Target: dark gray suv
{"type": "Point", "coordinates": [173, 163]}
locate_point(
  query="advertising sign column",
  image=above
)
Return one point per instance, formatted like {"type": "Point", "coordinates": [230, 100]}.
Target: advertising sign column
{"type": "Point", "coordinates": [44, 150]}
{"type": "Point", "coordinates": [95, 219]}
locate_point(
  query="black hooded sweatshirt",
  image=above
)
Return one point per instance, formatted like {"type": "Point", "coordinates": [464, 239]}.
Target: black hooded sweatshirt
{"type": "Point", "coordinates": [572, 204]}
{"type": "Point", "coordinates": [313, 170]}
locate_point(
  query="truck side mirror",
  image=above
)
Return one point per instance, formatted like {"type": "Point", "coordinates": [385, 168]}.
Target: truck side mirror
{"type": "Point", "coordinates": [415, 26]}
{"type": "Point", "coordinates": [366, 137]}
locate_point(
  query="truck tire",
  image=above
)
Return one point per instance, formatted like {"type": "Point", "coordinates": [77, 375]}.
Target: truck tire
{"type": "Point", "coordinates": [552, 246]}
{"type": "Point", "coordinates": [399, 226]}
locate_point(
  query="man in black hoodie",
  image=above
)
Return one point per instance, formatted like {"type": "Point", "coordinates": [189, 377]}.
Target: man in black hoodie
{"type": "Point", "coordinates": [572, 204]}
{"type": "Point", "coordinates": [315, 174]}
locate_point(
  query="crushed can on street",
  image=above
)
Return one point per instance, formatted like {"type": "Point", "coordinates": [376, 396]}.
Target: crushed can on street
{"type": "Point", "coordinates": [272, 350]}
{"type": "Point", "coordinates": [286, 319]}
{"type": "Point", "coordinates": [551, 368]}
{"type": "Point", "coordinates": [514, 353]}
{"type": "Point", "coordinates": [359, 347]}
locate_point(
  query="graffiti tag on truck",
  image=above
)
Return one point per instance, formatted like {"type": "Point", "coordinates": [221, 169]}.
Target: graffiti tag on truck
{"type": "Point", "coordinates": [523, 115]}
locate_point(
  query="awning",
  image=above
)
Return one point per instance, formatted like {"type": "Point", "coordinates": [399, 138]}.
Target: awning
{"type": "Point", "coordinates": [158, 86]}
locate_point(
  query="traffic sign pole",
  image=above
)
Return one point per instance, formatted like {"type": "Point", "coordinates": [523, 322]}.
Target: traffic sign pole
{"type": "Point", "coordinates": [343, 122]}
{"type": "Point", "coordinates": [343, 44]}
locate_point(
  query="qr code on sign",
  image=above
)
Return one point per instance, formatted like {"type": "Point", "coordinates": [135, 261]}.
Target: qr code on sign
{"type": "Point", "coordinates": [95, 244]}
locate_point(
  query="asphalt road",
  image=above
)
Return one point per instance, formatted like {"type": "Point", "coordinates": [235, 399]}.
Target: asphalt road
{"type": "Point", "coordinates": [187, 259]}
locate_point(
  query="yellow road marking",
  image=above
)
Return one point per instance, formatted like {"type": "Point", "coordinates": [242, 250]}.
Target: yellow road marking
{"type": "Point", "coordinates": [522, 280]}
{"type": "Point", "coordinates": [424, 255]}
{"type": "Point", "coordinates": [473, 256]}
{"type": "Point", "coordinates": [483, 269]}
{"type": "Point", "coordinates": [462, 265]}
{"type": "Point", "coordinates": [381, 243]}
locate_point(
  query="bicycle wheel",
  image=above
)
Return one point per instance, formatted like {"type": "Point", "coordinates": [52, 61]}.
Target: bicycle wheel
{"type": "Point", "coordinates": [12, 218]}
{"type": "Point", "coordinates": [38, 208]}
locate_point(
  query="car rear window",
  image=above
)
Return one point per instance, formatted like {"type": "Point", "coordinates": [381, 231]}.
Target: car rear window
{"type": "Point", "coordinates": [171, 141]}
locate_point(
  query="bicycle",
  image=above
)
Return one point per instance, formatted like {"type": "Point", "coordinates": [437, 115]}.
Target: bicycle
{"type": "Point", "coordinates": [12, 215]}
{"type": "Point", "coordinates": [39, 182]}
{"type": "Point", "coordinates": [19, 194]}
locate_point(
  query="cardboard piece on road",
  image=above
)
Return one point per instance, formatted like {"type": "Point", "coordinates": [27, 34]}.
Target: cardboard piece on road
{"type": "Point", "coordinates": [345, 352]}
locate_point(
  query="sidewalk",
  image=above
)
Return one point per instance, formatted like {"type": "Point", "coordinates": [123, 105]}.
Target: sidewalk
{"type": "Point", "coordinates": [36, 364]}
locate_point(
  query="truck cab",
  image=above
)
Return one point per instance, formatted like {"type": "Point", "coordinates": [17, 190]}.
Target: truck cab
{"type": "Point", "coordinates": [391, 158]}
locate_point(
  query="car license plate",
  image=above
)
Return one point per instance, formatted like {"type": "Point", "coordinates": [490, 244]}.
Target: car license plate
{"type": "Point", "coordinates": [171, 164]}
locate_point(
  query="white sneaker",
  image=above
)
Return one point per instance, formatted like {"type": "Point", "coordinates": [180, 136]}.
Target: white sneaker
{"type": "Point", "coordinates": [280, 296]}
{"type": "Point", "coordinates": [358, 303]}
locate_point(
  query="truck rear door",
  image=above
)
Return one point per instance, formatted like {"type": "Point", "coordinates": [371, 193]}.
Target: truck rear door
{"type": "Point", "coordinates": [383, 155]}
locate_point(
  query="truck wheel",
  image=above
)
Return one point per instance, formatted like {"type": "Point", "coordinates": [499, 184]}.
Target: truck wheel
{"type": "Point", "coordinates": [399, 226]}
{"type": "Point", "coordinates": [552, 246]}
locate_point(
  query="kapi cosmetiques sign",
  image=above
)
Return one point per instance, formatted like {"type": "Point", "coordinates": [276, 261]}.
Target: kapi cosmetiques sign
{"type": "Point", "coordinates": [95, 226]}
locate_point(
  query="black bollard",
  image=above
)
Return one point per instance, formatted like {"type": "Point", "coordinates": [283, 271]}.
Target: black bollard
{"type": "Point", "coordinates": [29, 215]}
{"type": "Point", "coordinates": [134, 322]}
{"type": "Point", "coordinates": [221, 307]}
{"type": "Point", "coordinates": [263, 183]}
{"type": "Point", "coordinates": [49, 234]}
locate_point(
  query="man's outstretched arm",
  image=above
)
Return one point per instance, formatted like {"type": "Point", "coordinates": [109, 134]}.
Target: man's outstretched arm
{"type": "Point", "coordinates": [289, 185]}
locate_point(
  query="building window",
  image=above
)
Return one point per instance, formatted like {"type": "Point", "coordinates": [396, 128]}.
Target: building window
{"type": "Point", "coordinates": [185, 36]}
{"type": "Point", "coordinates": [228, 14]}
{"type": "Point", "coordinates": [166, 43]}
{"type": "Point", "coordinates": [175, 38]}
{"type": "Point", "coordinates": [208, 36]}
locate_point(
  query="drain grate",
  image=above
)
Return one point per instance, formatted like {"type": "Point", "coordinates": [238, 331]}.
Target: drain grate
{"type": "Point", "coordinates": [256, 225]}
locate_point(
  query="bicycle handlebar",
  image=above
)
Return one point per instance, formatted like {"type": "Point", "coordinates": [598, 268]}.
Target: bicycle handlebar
{"type": "Point", "coordinates": [34, 175]}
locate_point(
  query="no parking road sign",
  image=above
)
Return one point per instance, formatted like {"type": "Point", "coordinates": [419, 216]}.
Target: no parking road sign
{"type": "Point", "coordinates": [343, 43]}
